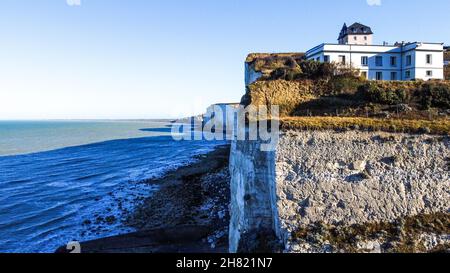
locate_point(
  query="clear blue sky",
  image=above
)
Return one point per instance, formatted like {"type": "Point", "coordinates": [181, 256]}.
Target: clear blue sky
{"type": "Point", "coordinates": [168, 58]}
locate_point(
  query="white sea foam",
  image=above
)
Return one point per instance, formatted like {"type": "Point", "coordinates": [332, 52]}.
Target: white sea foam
{"type": "Point", "coordinates": [48, 196]}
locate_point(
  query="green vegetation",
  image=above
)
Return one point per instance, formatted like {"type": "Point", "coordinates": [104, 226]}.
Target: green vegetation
{"type": "Point", "coordinates": [435, 95]}
{"type": "Point", "coordinates": [266, 61]}
{"type": "Point", "coordinates": [379, 95]}
{"type": "Point", "coordinates": [425, 95]}
{"type": "Point", "coordinates": [400, 236]}
{"type": "Point", "coordinates": [327, 95]}
{"type": "Point", "coordinates": [447, 67]}
{"type": "Point", "coordinates": [293, 66]}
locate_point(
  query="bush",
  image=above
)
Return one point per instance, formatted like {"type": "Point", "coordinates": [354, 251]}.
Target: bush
{"type": "Point", "coordinates": [310, 69]}
{"type": "Point", "coordinates": [318, 70]}
{"type": "Point", "coordinates": [344, 84]}
{"type": "Point", "coordinates": [290, 62]}
{"type": "Point", "coordinates": [285, 74]}
{"type": "Point", "coordinates": [376, 94]}
{"type": "Point", "coordinates": [435, 95]}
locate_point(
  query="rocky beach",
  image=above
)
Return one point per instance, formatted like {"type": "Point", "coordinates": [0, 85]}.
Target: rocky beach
{"type": "Point", "coordinates": [188, 214]}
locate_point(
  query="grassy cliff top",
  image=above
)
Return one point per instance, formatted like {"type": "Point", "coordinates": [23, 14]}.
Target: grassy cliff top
{"type": "Point", "coordinates": [267, 62]}
{"type": "Point", "coordinates": [329, 96]}
{"type": "Point", "coordinates": [259, 56]}
{"type": "Point", "coordinates": [440, 126]}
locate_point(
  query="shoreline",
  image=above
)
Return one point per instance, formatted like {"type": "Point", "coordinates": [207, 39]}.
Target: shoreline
{"type": "Point", "coordinates": [189, 212]}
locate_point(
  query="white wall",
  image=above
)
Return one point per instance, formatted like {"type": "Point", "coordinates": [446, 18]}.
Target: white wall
{"type": "Point", "coordinates": [418, 52]}
{"type": "Point", "coordinates": [422, 66]}
{"type": "Point", "coordinates": [358, 39]}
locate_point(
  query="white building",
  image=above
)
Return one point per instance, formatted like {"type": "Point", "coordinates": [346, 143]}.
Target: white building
{"type": "Point", "coordinates": [402, 61]}
{"type": "Point", "coordinates": [221, 114]}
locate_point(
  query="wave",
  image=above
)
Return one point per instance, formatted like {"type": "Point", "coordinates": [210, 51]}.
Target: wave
{"type": "Point", "coordinates": [50, 198]}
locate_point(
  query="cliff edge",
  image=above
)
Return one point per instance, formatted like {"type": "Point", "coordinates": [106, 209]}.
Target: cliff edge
{"type": "Point", "coordinates": [360, 166]}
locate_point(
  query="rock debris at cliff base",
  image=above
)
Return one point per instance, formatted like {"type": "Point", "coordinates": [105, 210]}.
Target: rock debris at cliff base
{"type": "Point", "coordinates": [424, 233]}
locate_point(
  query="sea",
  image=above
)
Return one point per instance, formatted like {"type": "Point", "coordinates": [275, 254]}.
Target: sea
{"type": "Point", "coordinates": [63, 181]}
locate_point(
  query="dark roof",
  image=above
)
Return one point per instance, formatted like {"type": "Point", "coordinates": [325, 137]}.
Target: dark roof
{"type": "Point", "coordinates": [355, 29]}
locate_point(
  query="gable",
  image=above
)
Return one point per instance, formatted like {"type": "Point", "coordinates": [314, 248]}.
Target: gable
{"type": "Point", "coordinates": [355, 29]}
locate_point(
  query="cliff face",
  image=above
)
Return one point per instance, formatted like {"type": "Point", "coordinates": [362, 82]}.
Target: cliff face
{"type": "Point", "coordinates": [254, 217]}
{"type": "Point", "coordinates": [335, 182]}
{"type": "Point", "coordinates": [354, 177]}
{"type": "Point", "coordinates": [341, 179]}
{"type": "Point", "coordinates": [251, 75]}
{"type": "Point", "coordinates": [286, 94]}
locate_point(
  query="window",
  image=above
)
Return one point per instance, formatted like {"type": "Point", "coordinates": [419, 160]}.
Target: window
{"type": "Point", "coordinates": [379, 76]}
{"type": "Point", "coordinates": [393, 76]}
{"type": "Point", "coordinates": [429, 59]}
{"type": "Point", "coordinates": [364, 74]}
{"type": "Point", "coordinates": [326, 58]}
{"type": "Point", "coordinates": [379, 61]}
{"type": "Point", "coordinates": [364, 61]}
{"type": "Point", "coordinates": [408, 60]}
{"type": "Point", "coordinates": [429, 73]}
{"type": "Point", "coordinates": [408, 74]}
{"type": "Point", "coordinates": [355, 38]}
{"type": "Point", "coordinates": [342, 59]}
{"type": "Point", "coordinates": [318, 59]}
{"type": "Point", "coordinates": [393, 61]}
{"type": "Point", "coordinates": [365, 38]}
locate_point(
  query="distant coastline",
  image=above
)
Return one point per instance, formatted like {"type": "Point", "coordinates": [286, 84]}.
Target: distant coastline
{"type": "Point", "coordinates": [81, 192]}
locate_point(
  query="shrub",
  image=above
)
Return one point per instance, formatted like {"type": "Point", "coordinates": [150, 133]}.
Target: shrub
{"type": "Point", "coordinates": [292, 75]}
{"type": "Point", "coordinates": [435, 95]}
{"type": "Point", "coordinates": [317, 70]}
{"type": "Point", "coordinates": [376, 94]}
{"type": "Point", "coordinates": [344, 84]}
{"type": "Point", "coordinates": [285, 74]}
{"type": "Point", "coordinates": [290, 62]}
{"type": "Point", "coordinates": [279, 73]}
{"type": "Point", "coordinates": [310, 69]}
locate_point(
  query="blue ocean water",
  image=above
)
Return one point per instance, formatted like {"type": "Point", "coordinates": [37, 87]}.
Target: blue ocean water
{"type": "Point", "coordinates": [62, 181]}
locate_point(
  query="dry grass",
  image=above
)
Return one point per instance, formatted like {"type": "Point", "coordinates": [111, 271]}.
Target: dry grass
{"type": "Point", "coordinates": [400, 236]}
{"type": "Point", "coordinates": [255, 56]}
{"type": "Point", "coordinates": [266, 63]}
{"type": "Point", "coordinates": [439, 126]}
{"type": "Point", "coordinates": [395, 106]}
